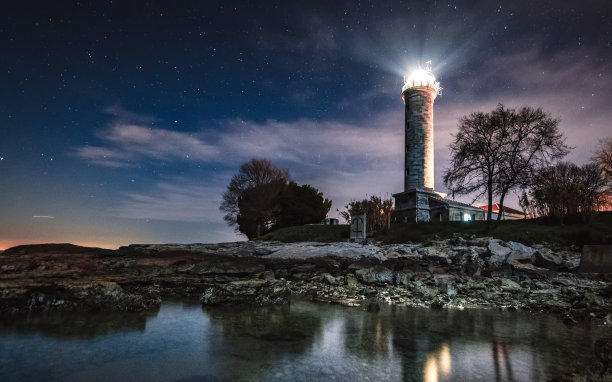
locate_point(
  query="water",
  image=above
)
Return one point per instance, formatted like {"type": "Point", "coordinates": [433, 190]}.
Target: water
{"type": "Point", "coordinates": [301, 342]}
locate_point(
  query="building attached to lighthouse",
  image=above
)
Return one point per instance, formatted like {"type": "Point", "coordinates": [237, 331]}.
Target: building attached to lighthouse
{"type": "Point", "coordinates": [419, 202]}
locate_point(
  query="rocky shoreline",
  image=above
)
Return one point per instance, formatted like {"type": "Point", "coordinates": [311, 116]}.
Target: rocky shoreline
{"type": "Point", "coordinates": [457, 273]}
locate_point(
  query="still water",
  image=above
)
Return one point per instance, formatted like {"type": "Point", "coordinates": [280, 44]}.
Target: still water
{"type": "Point", "coordinates": [300, 342]}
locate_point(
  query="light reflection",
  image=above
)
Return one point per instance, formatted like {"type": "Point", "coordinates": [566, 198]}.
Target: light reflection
{"type": "Point", "coordinates": [445, 360]}
{"type": "Point", "coordinates": [431, 369]}
{"type": "Point", "coordinates": [438, 364]}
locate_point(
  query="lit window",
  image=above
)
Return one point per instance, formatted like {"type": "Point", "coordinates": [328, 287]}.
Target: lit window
{"type": "Point", "coordinates": [467, 217]}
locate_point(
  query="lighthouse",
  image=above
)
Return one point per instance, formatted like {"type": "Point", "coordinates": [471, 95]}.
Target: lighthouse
{"type": "Point", "coordinates": [419, 202]}
{"type": "Point", "coordinates": [413, 204]}
{"type": "Point", "coordinates": [419, 92]}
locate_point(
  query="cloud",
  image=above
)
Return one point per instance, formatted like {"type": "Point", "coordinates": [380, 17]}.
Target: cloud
{"type": "Point", "coordinates": [122, 114]}
{"type": "Point", "coordinates": [43, 217]}
{"type": "Point", "coordinates": [130, 142]}
{"type": "Point", "coordinates": [181, 200]}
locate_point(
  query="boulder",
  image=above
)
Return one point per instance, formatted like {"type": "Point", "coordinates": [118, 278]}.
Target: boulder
{"type": "Point", "coordinates": [515, 246]}
{"type": "Point", "coordinates": [546, 258]}
{"type": "Point", "coordinates": [498, 252]}
{"type": "Point", "coordinates": [247, 292]}
{"type": "Point", "coordinates": [520, 252]}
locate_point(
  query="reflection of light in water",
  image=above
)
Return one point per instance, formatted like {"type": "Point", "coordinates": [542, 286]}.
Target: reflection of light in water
{"type": "Point", "coordinates": [431, 369]}
{"type": "Point", "coordinates": [378, 334]}
{"type": "Point", "coordinates": [445, 360]}
{"type": "Point", "coordinates": [332, 340]}
{"type": "Point", "coordinates": [438, 363]}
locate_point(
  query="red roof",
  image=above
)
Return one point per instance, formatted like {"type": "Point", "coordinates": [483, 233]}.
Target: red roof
{"type": "Point", "coordinates": [495, 209]}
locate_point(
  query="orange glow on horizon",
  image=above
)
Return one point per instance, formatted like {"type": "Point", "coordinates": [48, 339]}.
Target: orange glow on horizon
{"type": "Point", "coordinates": [9, 243]}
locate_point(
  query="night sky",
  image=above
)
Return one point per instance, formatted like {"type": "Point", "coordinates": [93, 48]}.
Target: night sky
{"type": "Point", "coordinates": [123, 122]}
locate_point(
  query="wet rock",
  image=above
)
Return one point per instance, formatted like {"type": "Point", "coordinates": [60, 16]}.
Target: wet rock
{"type": "Point", "coordinates": [509, 285]}
{"type": "Point", "coordinates": [351, 281]}
{"type": "Point", "coordinates": [591, 299]}
{"type": "Point", "coordinates": [268, 276]}
{"type": "Point", "coordinates": [378, 274]}
{"type": "Point", "coordinates": [247, 292]}
{"type": "Point", "coordinates": [328, 278]}
{"type": "Point", "coordinates": [421, 290]}
{"type": "Point", "coordinates": [402, 277]}
{"type": "Point", "coordinates": [262, 251]}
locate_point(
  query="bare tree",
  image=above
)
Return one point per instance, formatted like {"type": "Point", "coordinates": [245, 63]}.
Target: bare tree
{"type": "Point", "coordinates": [476, 153]}
{"type": "Point", "coordinates": [253, 174]}
{"type": "Point", "coordinates": [533, 141]}
{"type": "Point", "coordinates": [603, 156]}
{"type": "Point", "coordinates": [494, 153]}
{"type": "Point", "coordinates": [567, 191]}
{"type": "Point", "coordinates": [377, 210]}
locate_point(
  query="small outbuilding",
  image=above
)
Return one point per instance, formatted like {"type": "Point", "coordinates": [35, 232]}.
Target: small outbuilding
{"type": "Point", "coordinates": [507, 213]}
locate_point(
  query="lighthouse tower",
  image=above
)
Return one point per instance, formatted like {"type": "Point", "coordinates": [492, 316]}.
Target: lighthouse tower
{"type": "Point", "coordinates": [419, 92]}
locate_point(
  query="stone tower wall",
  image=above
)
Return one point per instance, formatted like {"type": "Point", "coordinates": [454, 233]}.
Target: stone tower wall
{"type": "Point", "coordinates": [419, 160]}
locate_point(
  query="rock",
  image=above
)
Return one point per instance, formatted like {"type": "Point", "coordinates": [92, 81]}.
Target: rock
{"type": "Point", "coordinates": [474, 263]}
{"type": "Point", "coordinates": [530, 271]}
{"type": "Point", "coordinates": [509, 285]}
{"type": "Point", "coordinates": [351, 281]}
{"type": "Point", "coordinates": [558, 304]}
{"type": "Point", "coordinates": [487, 295]}
{"type": "Point", "coordinates": [546, 258]}
{"type": "Point", "coordinates": [328, 278]}
{"type": "Point", "coordinates": [498, 252]}
{"type": "Point", "coordinates": [422, 290]}
{"type": "Point", "coordinates": [374, 275]}
{"type": "Point", "coordinates": [591, 299]}
{"type": "Point", "coordinates": [247, 292]}
{"type": "Point", "coordinates": [262, 251]}
{"type": "Point", "coordinates": [514, 246]}
{"type": "Point", "coordinates": [520, 252]}
{"type": "Point", "coordinates": [268, 276]}
{"type": "Point", "coordinates": [402, 277]}
{"type": "Point", "coordinates": [434, 256]}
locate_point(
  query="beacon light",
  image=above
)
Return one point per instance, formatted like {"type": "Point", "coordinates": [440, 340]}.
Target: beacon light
{"type": "Point", "coordinates": [422, 78]}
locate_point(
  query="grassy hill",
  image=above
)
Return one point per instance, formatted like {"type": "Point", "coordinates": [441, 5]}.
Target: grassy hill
{"type": "Point", "coordinates": [598, 231]}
